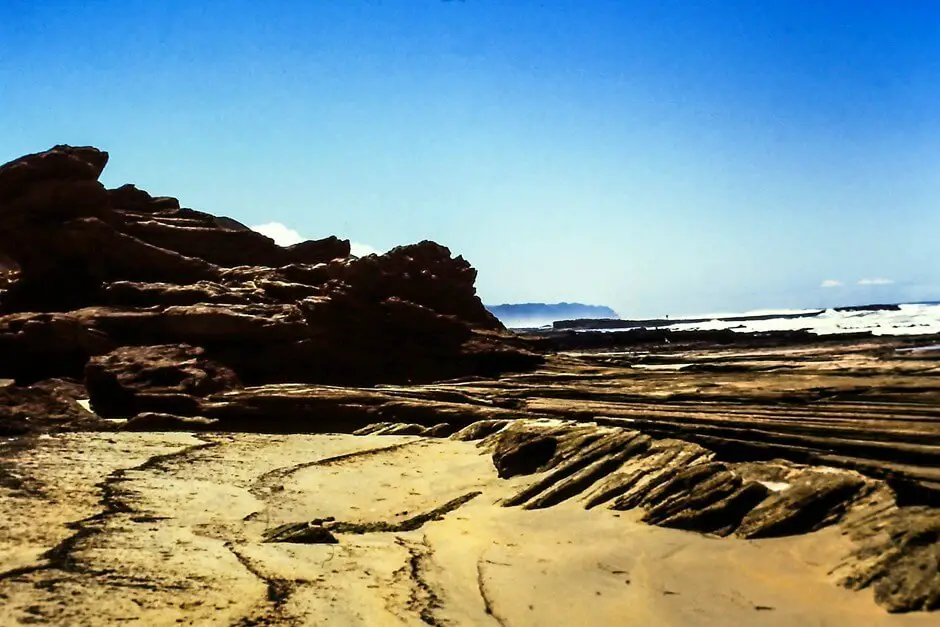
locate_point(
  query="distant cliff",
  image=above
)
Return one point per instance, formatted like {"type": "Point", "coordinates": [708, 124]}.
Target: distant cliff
{"type": "Point", "coordinates": [539, 314]}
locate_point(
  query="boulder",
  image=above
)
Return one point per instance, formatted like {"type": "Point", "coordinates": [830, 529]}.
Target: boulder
{"type": "Point", "coordinates": [50, 405]}
{"type": "Point", "coordinates": [60, 163]}
{"type": "Point", "coordinates": [312, 252]}
{"type": "Point", "coordinates": [424, 274]}
{"type": "Point", "coordinates": [163, 378]}
{"type": "Point", "coordinates": [128, 197]}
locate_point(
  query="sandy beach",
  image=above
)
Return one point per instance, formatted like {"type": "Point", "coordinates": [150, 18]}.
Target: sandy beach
{"type": "Point", "coordinates": [171, 529]}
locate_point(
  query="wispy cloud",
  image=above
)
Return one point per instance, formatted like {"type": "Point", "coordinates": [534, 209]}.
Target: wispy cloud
{"type": "Point", "coordinates": [831, 283]}
{"type": "Point", "coordinates": [876, 282]}
{"type": "Point", "coordinates": [283, 235]}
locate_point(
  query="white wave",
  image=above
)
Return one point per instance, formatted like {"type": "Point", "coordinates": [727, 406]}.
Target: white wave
{"type": "Point", "coordinates": [910, 319]}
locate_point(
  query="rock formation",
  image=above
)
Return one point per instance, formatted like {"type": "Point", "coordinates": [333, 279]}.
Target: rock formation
{"type": "Point", "coordinates": [170, 319]}
{"type": "Point", "coordinates": [88, 270]}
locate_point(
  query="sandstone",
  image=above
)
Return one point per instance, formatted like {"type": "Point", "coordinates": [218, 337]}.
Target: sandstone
{"type": "Point", "coordinates": [155, 421]}
{"type": "Point", "coordinates": [133, 379]}
{"type": "Point", "coordinates": [134, 269]}
{"type": "Point", "coordinates": [479, 430]}
{"type": "Point", "coordinates": [523, 452]}
{"type": "Point", "coordinates": [814, 500]}
{"type": "Point", "coordinates": [897, 554]}
{"type": "Point", "coordinates": [50, 405]}
{"type": "Point", "coordinates": [36, 346]}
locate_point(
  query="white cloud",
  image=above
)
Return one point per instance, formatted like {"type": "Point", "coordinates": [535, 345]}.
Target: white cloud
{"type": "Point", "coordinates": [831, 283]}
{"type": "Point", "coordinates": [286, 236]}
{"type": "Point", "coordinates": [361, 250]}
{"type": "Point", "coordinates": [876, 282]}
{"type": "Point", "coordinates": [282, 235]}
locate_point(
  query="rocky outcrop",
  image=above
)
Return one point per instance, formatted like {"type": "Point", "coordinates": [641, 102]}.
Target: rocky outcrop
{"type": "Point", "coordinates": [36, 346]}
{"type": "Point", "coordinates": [163, 378]}
{"type": "Point", "coordinates": [897, 554]}
{"type": "Point", "coordinates": [87, 270]}
{"type": "Point", "coordinates": [328, 409]}
{"type": "Point", "coordinates": [682, 485]}
{"type": "Point", "coordinates": [679, 484]}
{"type": "Point", "coordinates": [812, 501]}
{"type": "Point", "coordinates": [523, 452]}
{"type": "Point", "coordinates": [49, 406]}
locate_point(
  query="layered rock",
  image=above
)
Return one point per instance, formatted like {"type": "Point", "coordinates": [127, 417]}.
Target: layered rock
{"type": "Point", "coordinates": [87, 270]}
{"type": "Point", "coordinates": [48, 406]}
{"type": "Point", "coordinates": [167, 378]}
{"type": "Point", "coordinates": [895, 549]}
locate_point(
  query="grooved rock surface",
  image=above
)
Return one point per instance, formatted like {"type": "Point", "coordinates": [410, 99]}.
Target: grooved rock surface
{"type": "Point", "coordinates": [680, 485]}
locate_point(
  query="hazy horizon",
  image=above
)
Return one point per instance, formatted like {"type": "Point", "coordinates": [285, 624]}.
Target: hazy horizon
{"type": "Point", "coordinates": [657, 157]}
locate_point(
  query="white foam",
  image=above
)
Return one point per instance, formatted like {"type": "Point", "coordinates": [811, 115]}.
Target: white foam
{"type": "Point", "coordinates": [913, 319]}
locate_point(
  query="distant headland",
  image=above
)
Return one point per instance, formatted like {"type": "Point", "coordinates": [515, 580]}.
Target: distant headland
{"type": "Point", "coordinates": [540, 314]}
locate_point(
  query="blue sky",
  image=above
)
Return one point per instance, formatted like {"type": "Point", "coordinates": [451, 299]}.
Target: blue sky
{"type": "Point", "coordinates": [657, 156]}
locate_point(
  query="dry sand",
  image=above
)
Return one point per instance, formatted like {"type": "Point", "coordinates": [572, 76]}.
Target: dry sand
{"type": "Point", "coordinates": [176, 539]}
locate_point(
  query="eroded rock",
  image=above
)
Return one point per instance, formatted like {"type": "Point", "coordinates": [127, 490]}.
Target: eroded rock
{"type": "Point", "coordinates": [155, 421]}
{"type": "Point", "coordinates": [50, 405]}
{"type": "Point", "coordinates": [134, 269]}
{"type": "Point", "coordinates": [134, 379]}
{"type": "Point", "coordinates": [523, 452]}
{"type": "Point", "coordinates": [814, 500]}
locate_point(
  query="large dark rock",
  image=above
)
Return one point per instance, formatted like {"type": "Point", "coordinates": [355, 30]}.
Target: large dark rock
{"type": "Point", "coordinates": [61, 163]}
{"type": "Point", "coordinates": [40, 346]}
{"type": "Point", "coordinates": [424, 274]}
{"type": "Point", "coordinates": [134, 379]}
{"type": "Point", "coordinates": [87, 270]}
{"type": "Point", "coordinates": [50, 405]}
{"type": "Point", "coordinates": [130, 198]}
{"type": "Point", "coordinates": [319, 251]}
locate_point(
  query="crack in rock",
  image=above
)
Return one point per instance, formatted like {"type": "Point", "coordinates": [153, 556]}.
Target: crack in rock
{"type": "Point", "coordinates": [264, 482]}
{"type": "Point", "coordinates": [487, 601]}
{"type": "Point", "coordinates": [321, 530]}
{"type": "Point", "coordinates": [422, 600]}
{"type": "Point", "coordinates": [61, 557]}
{"type": "Point", "coordinates": [410, 524]}
{"type": "Point", "coordinates": [278, 592]}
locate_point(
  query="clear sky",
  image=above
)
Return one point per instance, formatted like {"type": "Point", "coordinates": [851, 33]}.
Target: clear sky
{"type": "Point", "coordinates": [657, 156]}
